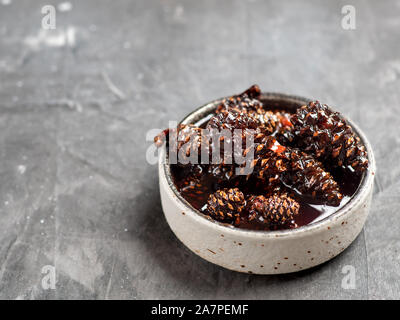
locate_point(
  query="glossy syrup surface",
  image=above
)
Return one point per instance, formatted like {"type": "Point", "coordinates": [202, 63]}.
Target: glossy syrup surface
{"type": "Point", "coordinates": [310, 210]}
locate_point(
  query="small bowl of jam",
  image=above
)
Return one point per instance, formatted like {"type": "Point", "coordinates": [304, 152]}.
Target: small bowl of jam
{"type": "Point", "coordinates": [265, 183]}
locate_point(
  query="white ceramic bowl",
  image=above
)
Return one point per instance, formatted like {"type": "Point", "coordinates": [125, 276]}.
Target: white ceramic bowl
{"type": "Point", "coordinates": [265, 252]}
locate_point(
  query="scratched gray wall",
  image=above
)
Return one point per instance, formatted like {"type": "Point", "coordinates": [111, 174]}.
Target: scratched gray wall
{"type": "Point", "coordinates": [76, 191]}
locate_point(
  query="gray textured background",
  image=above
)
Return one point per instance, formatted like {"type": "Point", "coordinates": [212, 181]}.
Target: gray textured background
{"type": "Point", "coordinates": [76, 191]}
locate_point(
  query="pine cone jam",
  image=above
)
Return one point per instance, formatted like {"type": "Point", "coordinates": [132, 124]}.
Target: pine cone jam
{"type": "Point", "coordinates": [259, 165]}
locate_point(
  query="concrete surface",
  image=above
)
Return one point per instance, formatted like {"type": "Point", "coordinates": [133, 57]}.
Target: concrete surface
{"type": "Point", "coordinates": [76, 191]}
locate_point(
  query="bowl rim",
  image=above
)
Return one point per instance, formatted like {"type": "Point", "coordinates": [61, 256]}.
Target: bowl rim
{"type": "Point", "coordinates": [360, 194]}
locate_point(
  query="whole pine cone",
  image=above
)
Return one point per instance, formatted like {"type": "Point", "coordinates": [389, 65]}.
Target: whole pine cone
{"type": "Point", "coordinates": [326, 134]}
{"type": "Point", "coordinates": [230, 119]}
{"type": "Point", "coordinates": [268, 122]}
{"type": "Point", "coordinates": [307, 176]}
{"type": "Point", "coordinates": [275, 211]}
{"type": "Point", "coordinates": [247, 100]}
{"type": "Point", "coordinates": [226, 204]}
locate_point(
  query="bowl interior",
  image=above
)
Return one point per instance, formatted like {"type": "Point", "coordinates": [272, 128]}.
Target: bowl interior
{"type": "Point", "coordinates": [289, 103]}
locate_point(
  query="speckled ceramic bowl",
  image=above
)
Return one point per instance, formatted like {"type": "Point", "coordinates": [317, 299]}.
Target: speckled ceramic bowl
{"type": "Point", "coordinates": [265, 252]}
